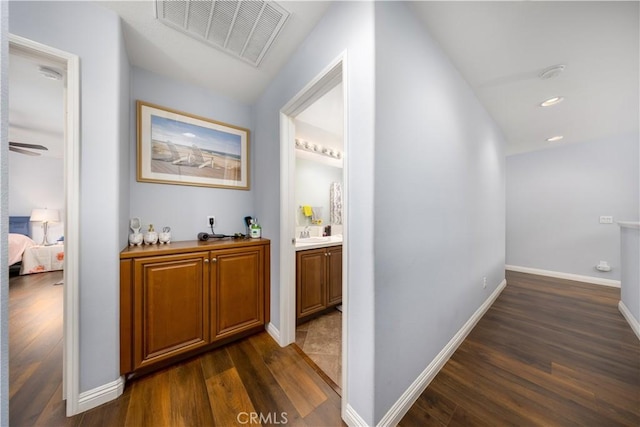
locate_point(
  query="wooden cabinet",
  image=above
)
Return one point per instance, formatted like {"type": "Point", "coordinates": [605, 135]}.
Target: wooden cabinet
{"type": "Point", "coordinates": [334, 275]}
{"type": "Point", "coordinates": [186, 297]}
{"type": "Point", "coordinates": [318, 280]}
{"type": "Point", "coordinates": [237, 282]}
{"type": "Point", "coordinates": [171, 306]}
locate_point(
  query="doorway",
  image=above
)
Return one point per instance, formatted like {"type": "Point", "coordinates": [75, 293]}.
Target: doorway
{"type": "Point", "coordinates": [55, 64]}
{"type": "Point", "coordinates": [310, 155]}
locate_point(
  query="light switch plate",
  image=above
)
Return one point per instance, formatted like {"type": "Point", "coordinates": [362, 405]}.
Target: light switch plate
{"type": "Point", "coordinates": [606, 220]}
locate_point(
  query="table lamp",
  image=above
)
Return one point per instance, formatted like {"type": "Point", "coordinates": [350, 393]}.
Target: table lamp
{"type": "Point", "coordinates": [45, 216]}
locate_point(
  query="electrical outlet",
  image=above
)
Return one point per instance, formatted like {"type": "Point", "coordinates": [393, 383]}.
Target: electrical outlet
{"type": "Point", "coordinates": [606, 219]}
{"type": "Point", "coordinates": [211, 221]}
{"type": "Point", "coordinates": [484, 282]}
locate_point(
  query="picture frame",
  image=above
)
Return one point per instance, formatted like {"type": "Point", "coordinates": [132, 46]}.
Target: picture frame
{"type": "Point", "coordinates": [175, 147]}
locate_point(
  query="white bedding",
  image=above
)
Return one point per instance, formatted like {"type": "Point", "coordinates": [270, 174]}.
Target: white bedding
{"type": "Point", "coordinates": [38, 259]}
{"type": "Point", "coordinates": [18, 243]}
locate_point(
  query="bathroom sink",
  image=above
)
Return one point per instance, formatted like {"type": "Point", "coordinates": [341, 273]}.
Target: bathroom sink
{"type": "Point", "coordinates": [313, 239]}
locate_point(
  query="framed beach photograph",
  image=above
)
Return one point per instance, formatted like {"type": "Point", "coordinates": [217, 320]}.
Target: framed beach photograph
{"type": "Point", "coordinates": [180, 148]}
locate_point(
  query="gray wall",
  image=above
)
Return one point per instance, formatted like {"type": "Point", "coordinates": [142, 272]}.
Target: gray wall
{"type": "Point", "coordinates": [4, 225]}
{"type": "Point", "coordinates": [95, 35]}
{"type": "Point", "coordinates": [37, 182]}
{"type": "Point", "coordinates": [439, 202]}
{"type": "Point", "coordinates": [630, 254]}
{"type": "Point", "coordinates": [555, 198]}
{"type": "Point", "coordinates": [345, 26]}
{"type": "Point", "coordinates": [185, 208]}
{"type": "Point", "coordinates": [124, 160]}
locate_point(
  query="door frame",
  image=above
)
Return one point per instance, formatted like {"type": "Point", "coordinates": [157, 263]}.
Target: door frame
{"type": "Point", "coordinates": [326, 80]}
{"type": "Point", "coordinates": [71, 330]}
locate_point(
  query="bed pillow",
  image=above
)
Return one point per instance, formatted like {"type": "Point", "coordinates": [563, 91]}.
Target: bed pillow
{"type": "Point", "coordinates": [18, 243]}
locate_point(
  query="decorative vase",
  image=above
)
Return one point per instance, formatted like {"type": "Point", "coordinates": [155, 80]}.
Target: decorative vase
{"type": "Point", "coordinates": [151, 237]}
{"type": "Point", "coordinates": [165, 236]}
{"type": "Point", "coordinates": [134, 224]}
{"type": "Point", "coordinates": [135, 239]}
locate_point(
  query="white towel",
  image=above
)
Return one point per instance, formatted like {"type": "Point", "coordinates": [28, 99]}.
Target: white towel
{"type": "Point", "coordinates": [336, 203]}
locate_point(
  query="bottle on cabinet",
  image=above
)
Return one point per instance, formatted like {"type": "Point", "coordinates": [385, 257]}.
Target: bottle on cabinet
{"type": "Point", "coordinates": [255, 230]}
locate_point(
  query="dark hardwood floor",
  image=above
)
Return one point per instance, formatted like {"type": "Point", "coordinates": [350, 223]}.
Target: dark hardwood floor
{"type": "Point", "coordinates": [250, 382]}
{"type": "Point", "coordinates": [35, 347]}
{"type": "Point", "coordinates": [549, 352]}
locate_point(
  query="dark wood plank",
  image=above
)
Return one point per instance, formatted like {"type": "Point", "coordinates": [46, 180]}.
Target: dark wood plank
{"type": "Point", "coordinates": [229, 399]}
{"type": "Point", "coordinates": [262, 387]}
{"type": "Point", "coordinates": [548, 352]}
{"type": "Point", "coordinates": [205, 390]}
{"type": "Point", "coordinates": [173, 397]}
{"type": "Point", "coordinates": [300, 388]}
{"type": "Point", "coordinates": [35, 350]}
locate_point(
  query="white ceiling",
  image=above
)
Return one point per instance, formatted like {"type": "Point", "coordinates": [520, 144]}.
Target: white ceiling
{"type": "Point", "coordinates": [499, 48]}
{"type": "Point", "coordinates": [36, 105]}
{"type": "Point", "coordinates": [153, 46]}
{"type": "Point", "coordinates": [327, 113]}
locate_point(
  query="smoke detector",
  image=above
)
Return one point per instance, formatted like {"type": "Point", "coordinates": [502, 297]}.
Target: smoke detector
{"type": "Point", "coordinates": [245, 29]}
{"type": "Point", "coordinates": [551, 72]}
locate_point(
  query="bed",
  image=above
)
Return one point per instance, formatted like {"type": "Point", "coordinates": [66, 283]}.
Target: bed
{"type": "Point", "coordinates": [27, 254]}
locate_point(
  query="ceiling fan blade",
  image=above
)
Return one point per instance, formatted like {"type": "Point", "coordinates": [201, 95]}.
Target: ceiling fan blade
{"type": "Point", "coordinates": [21, 151]}
{"type": "Point", "coordinates": [33, 146]}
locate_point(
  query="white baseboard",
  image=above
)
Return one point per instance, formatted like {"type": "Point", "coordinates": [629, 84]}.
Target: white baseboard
{"type": "Point", "coordinates": [353, 419]}
{"type": "Point", "coordinates": [633, 322]}
{"type": "Point", "coordinates": [274, 332]}
{"type": "Point", "coordinates": [100, 395]}
{"type": "Point", "coordinates": [408, 398]}
{"type": "Point", "coordinates": [568, 276]}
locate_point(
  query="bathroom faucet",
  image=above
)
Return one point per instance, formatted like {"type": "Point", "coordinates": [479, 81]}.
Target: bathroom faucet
{"type": "Point", "coordinates": [305, 234]}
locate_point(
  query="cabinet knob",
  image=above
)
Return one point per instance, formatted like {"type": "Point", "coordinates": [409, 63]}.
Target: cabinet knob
{"type": "Point", "coordinates": [214, 259]}
{"type": "Point", "coordinates": [206, 260]}
{"type": "Point", "coordinates": [329, 253]}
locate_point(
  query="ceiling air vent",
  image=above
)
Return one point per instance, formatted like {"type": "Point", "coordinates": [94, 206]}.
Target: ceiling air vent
{"type": "Point", "coordinates": [245, 28]}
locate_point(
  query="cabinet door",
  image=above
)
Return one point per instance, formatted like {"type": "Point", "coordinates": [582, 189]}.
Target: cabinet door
{"type": "Point", "coordinates": [237, 291]}
{"type": "Point", "coordinates": [334, 275]}
{"type": "Point", "coordinates": [311, 293]}
{"type": "Point", "coordinates": [170, 306]}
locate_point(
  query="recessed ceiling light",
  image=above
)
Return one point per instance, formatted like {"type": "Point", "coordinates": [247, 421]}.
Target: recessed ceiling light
{"type": "Point", "coordinates": [551, 72]}
{"type": "Point", "coordinates": [555, 138]}
{"type": "Point", "coordinates": [50, 73]}
{"type": "Point", "coordinates": [552, 101]}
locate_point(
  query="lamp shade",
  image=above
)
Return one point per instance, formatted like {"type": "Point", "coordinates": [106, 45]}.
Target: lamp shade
{"type": "Point", "coordinates": [45, 215]}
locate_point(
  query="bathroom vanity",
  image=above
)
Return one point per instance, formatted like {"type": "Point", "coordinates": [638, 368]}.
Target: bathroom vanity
{"type": "Point", "coordinates": [182, 298]}
{"type": "Point", "coordinates": [318, 278]}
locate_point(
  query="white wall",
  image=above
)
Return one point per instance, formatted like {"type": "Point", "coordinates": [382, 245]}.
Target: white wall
{"type": "Point", "coordinates": [313, 184]}
{"type": "Point", "coordinates": [185, 208]}
{"type": "Point", "coordinates": [37, 182]}
{"type": "Point", "coordinates": [345, 26]}
{"type": "Point", "coordinates": [95, 35]}
{"type": "Point", "coordinates": [555, 198]}
{"type": "Point", "coordinates": [439, 202]}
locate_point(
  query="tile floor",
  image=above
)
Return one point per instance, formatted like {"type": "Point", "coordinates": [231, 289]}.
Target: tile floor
{"type": "Point", "coordinates": [321, 340]}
